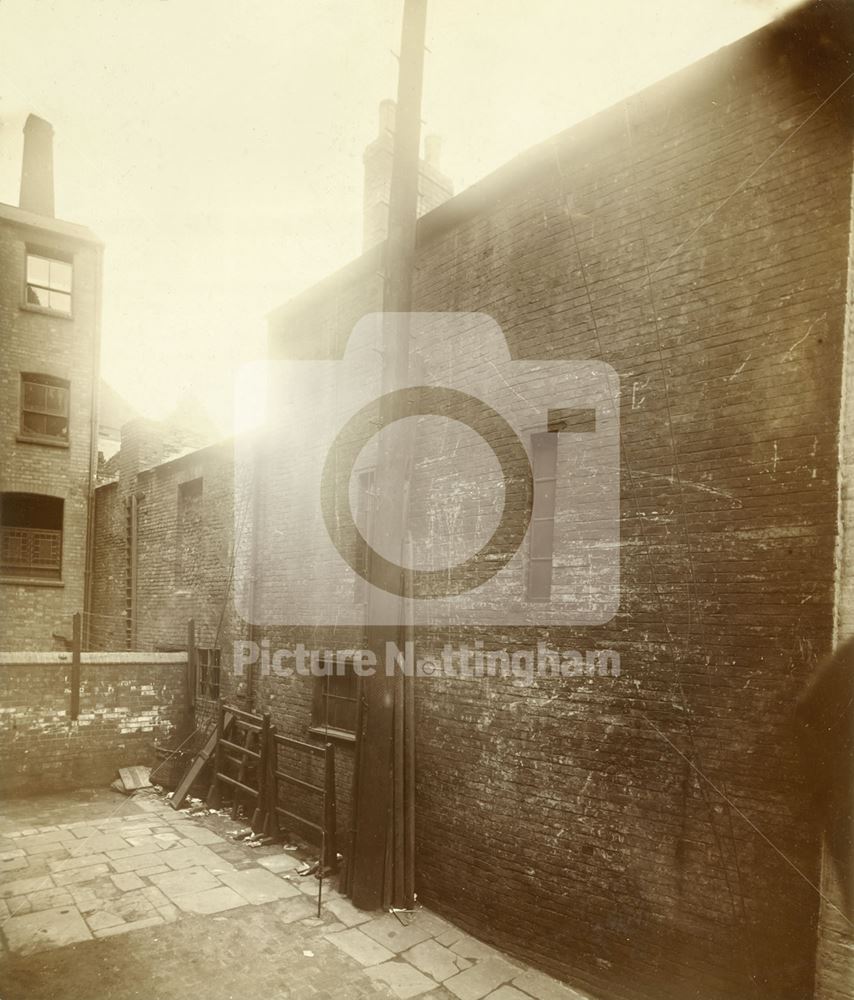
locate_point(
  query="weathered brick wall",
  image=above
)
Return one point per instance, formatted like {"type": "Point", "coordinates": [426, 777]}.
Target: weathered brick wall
{"type": "Point", "coordinates": [634, 834]}
{"type": "Point", "coordinates": [128, 701]}
{"type": "Point", "coordinates": [33, 614]}
{"type": "Point", "coordinates": [835, 953]}
{"type": "Point", "coordinates": [185, 525]}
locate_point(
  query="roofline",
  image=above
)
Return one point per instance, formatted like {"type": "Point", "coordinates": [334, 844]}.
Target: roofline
{"type": "Point", "coordinates": [542, 157]}
{"type": "Point", "coordinates": [21, 217]}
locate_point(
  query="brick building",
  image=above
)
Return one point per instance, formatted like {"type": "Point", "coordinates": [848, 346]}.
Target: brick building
{"type": "Point", "coordinates": [641, 836]}
{"type": "Point", "coordinates": [50, 299]}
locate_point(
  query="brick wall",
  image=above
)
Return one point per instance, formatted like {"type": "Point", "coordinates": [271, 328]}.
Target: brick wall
{"type": "Point", "coordinates": [128, 701]}
{"type": "Point", "coordinates": [634, 835]}
{"type": "Point", "coordinates": [35, 613]}
{"type": "Point", "coordinates": [835, 953]}
{"type": "Point", "coordinates": [184, 568]}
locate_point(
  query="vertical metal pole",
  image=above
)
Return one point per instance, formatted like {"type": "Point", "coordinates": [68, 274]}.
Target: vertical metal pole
{"type": "Point", "coordinates": [76, 643]}
{"type": "Point", "coordinates": [134, 550]}
{"type": "Point", "coordinates": [374, 817]}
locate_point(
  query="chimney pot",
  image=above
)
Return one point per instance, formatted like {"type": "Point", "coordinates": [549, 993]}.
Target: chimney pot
{"type": "Point", "coordinates": [37, 168]}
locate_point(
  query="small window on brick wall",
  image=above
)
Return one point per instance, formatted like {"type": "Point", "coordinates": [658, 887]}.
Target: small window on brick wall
{"type": "Point", "coordinates": [31, 536]}
{"type": "Point", "coordinates": [207, 673]}
{"type": "Point", "coordinates": [335, 701]}
{"type": "Point", "coordinates": [49, 283]}
{"type": "Point", "coordinates": [44, 407]}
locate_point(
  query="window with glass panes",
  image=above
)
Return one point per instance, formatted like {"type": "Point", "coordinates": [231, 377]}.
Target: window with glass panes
{"type": "Point", "coordinates": [49, 283]}
{"type": "Point", "coordinates": [44, 407]}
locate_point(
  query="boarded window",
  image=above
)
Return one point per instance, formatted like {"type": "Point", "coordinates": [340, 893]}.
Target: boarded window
{"type": "Point", "coordinates": [207, 673]}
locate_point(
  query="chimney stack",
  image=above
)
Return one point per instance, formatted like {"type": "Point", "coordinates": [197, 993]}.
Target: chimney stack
{"type": "Point", "coordinates": [433, 186]}
{"type": "Point", "coordinates": [433, 150]}
{"type": "Point", "coordinates": [37, 169]}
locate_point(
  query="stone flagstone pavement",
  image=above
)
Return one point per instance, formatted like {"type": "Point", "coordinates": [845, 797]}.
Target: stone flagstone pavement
{"type": "Point", "coordinates": [238, 918]}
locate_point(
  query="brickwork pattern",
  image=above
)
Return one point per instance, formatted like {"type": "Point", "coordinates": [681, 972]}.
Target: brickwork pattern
{"type": "Point", "coordinates": [127, 703]}
{"type": "Point", "coordinates": [37, 616]}
{"type": "Point", "coordinates": [695, 238]}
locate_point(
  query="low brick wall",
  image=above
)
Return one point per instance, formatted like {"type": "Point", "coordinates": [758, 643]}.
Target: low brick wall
{"type": "Point", "coordinates": [128, 701]}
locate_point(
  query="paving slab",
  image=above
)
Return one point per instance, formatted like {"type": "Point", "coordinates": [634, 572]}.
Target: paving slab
{"type": "Point", "coordinates": [100, 919]}
{"type": "Point", "coordinates": [45, 899]}
{"type": "Point", "coordinates": [404, 981]}
{"type": "Point", "coordinates": [210, 900]}
{"type": "Point", "coordinates": [45, 929]}
{"type": "Point", "coordinates": [39, 840]}
{"type": "Point", "coordinates": [74, 863]}
{"type": "Point", "coordinates": [155, 870]}
{"type": "Point", "coordinates": [436, 960]}
{"type": "Point", "coordinates": [508, 993]}
{"type": "Point", "coordinates": [296, 908]}
{"type": "Point", "coordinates": [201, 835]}
{"type": "Point", "coordinates": [198, 855]}
{"type": "Point", "coordinates": [279, 863]}
{"type": "Point", "coordinates": [137, 862]}
{"type": "Point", "coordinates": [481, 979]}
{"type": "Point", "coordinates": [543, 987]}
{"type": "Point", "coordinates": [20, 887]}
{"type": "Point", "coordinates": [359, 946]}
{"type": "Point", "coordinates": [187, 880]}
{"type": "Point", "coordinates": [14, 864]}
{"type": "Point", "coordinates": [473, 949]}
{"type": "Point", "coordinates": [133, 925]}
{"type": "Point", "coordinates": [81, 875]}
{"type": "Point", "coordinates": [98, 844]}
{"type": "Point", "coordinates": [344, 910]}
{"type": "Point", "coordinates": [257, 885]}
{"type": "Point", "coordinates": [394, 934]}
{"type": "Point", "coordinates": [127, 881]}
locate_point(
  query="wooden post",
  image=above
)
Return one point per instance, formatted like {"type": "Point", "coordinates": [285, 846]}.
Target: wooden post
{"type": "Point", "coordinates": [330, 852]}
{"type": "Point", "coordinates": [271, 788]}
{"type": "Point", "coordinates": [76, 645]}
{"type": "Point", "coordinates": [213, 792]}
{"type": "Point", "coordinates": [259, 815]}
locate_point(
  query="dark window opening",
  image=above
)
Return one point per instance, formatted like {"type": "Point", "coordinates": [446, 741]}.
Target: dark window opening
{"type": "Point", "coordinates": [49, 283]}
{"type": "Point", "coordinates": [207, 673]}
{"type": "Point", "coordinates": [44, 407]}
{"type": "Point", "coordinates": [30, 535]}
{"type": "Point", "coordinates": [335, 700]}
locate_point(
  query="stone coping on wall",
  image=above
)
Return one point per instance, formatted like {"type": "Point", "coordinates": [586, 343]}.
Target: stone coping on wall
{"type": "Point", "coordinates": [106, 659]}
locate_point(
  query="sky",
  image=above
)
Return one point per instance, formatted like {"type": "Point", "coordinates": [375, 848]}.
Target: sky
{"type": "Point", "coordinates": [215, 146]}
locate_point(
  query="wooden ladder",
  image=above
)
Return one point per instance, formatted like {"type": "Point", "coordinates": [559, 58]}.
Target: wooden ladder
{"type": "Point", "coordinates": [241, 762]}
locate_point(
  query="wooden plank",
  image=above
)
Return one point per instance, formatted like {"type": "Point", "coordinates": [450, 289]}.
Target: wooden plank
{"type": "Point", "coordinates": [135, 777]}
{"type": "Point", "coordinates": [195, 769]}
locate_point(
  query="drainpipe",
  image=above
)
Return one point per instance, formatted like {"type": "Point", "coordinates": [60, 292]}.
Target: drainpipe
{"type": "Point", "coordinates": [93, 456]}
